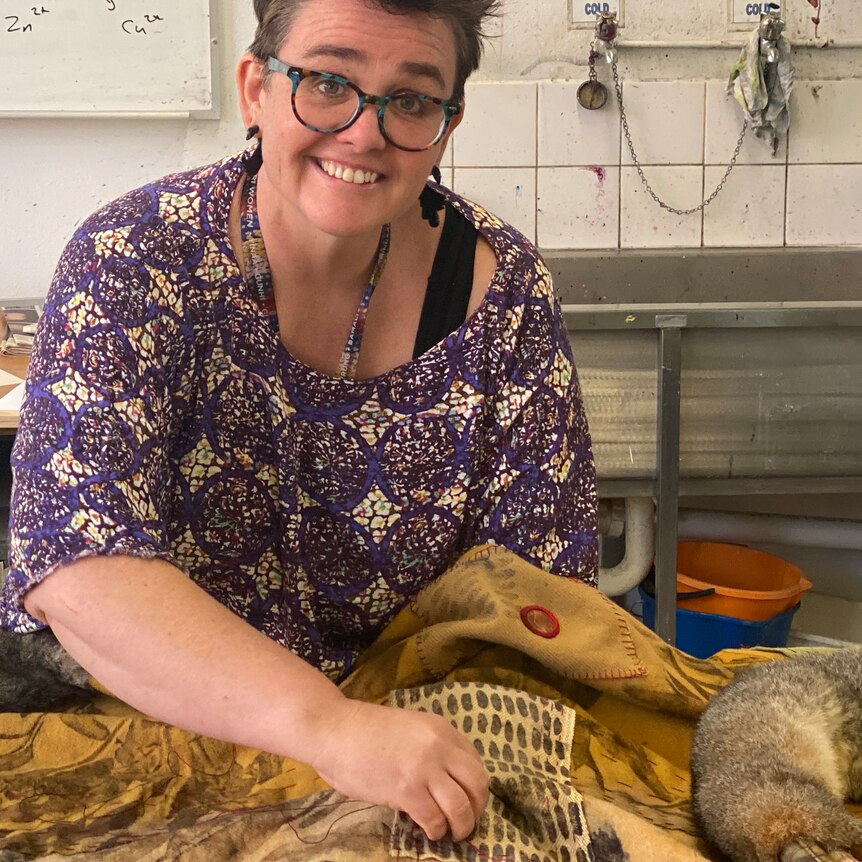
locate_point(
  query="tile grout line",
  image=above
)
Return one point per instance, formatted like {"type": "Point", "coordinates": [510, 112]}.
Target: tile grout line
{"type": "Point", "coordinates": [786, 184]}
{"type": "Point", "coordinates": [620, 184]}
{"type": "Point", "coordinates": [677, 165]}
{"type": "Point", "coordinates": [536, 175]}
{"type": "Point", "coordinates": [703, 174]}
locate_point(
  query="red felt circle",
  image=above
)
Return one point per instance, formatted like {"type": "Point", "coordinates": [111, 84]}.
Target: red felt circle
{"type": "Point", "coordinates": [540, 621]}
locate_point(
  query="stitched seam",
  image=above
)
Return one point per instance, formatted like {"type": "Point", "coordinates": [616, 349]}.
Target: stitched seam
{"type": "Point", "coordinates": [426, 665]}
{"type": "Point", "coordinates": [483, 553]}
{"type": "Point", "coordinates": [625, 633]}
{"type": "Point", "coordinates": [640, 670]}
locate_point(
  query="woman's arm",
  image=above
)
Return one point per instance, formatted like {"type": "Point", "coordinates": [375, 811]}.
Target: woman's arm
{"type": "Point", "coordinates": [160, 643]}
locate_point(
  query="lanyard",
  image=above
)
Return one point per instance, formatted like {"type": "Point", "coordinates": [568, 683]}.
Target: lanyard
{"type": "Point", "coordinates": [259, 276]}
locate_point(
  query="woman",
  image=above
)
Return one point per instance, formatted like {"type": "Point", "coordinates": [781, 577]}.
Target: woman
{"type": "Point", "coordinates": [229, 448]}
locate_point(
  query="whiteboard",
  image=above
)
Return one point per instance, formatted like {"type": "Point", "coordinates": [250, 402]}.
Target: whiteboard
{"type": "Point", "coordinates": [108, 57]}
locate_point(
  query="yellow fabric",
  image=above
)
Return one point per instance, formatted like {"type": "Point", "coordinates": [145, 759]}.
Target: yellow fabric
{"type": "Point", "coordinates": [104, 778]}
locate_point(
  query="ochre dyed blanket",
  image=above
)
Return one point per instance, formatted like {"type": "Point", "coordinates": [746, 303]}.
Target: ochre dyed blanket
{"type": "Point", "coordinates": [585, 734]}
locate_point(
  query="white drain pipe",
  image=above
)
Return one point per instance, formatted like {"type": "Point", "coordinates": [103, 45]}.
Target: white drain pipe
{"type": "Point", "coordinates": [744, 527]}
{"type": "Point", "coordinates": [640, 549]}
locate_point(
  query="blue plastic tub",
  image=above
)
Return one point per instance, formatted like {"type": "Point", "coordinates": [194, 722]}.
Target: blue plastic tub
{"type": "Point", "coordinates": [701, 635]}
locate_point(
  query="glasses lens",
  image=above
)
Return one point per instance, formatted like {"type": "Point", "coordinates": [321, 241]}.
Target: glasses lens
{"type": "Point", "coordinates": [324, 103]}
{"type": "Point", "coordinates": [410, 120]}
{"type": "Point", "coordinates": [413, 121]}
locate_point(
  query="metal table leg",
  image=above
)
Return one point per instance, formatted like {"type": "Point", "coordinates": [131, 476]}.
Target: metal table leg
{"type": "Point", "coordinates": [667, 484]}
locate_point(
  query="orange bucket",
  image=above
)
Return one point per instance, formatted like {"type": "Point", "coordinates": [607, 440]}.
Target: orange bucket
{"type": "Point", "coordinates": [748, 584]}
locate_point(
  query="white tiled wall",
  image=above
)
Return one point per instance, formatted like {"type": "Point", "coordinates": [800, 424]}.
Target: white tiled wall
{"type": "Point", "coordinates": [666, 122]}
{"type": "Point", "coordinates": [579, 207]}
{"type": "Point", "coordinates": [824, 204]}
{"type": "Point", "coordinates": [499, 127]}
{"type": "Point", "coordinates": [644, 224]}
{"type": "Point", "coordinates": [509, 193]}
{"type": "Point", "coordinates": [749, 210]}
{"type": "Point", "coordinates": [564, 177]}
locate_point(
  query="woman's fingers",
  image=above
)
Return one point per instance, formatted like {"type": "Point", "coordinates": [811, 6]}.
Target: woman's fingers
{"type": "Point", "coordinates": [456, 805]}
{"type": "Point", "coordinates": [429, 817]}
{"type": "Point", "coordinates": [461, 792]}
{"type": "Point", "coordinates": [471, 776]}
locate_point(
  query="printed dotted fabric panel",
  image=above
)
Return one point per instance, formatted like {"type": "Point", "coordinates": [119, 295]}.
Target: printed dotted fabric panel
{"type": "Point", "coordinates": [534, 814]}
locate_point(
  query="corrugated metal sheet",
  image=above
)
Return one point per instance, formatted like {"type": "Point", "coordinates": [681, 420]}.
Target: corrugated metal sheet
{"type": "Point", "coordinates": [754, 402]}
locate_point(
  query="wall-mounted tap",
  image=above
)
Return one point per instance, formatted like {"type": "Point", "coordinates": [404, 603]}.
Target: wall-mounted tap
{"type": "Point", "coordinates": [770, 29]}
{"type": "Point", "coordinates": [607, 29]}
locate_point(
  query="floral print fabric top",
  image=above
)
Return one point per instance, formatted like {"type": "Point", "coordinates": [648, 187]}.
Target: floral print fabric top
{"type": "Point", "coordinates": [164, 419]}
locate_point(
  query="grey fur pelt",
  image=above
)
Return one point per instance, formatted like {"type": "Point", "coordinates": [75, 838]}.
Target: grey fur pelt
{"type": "Point", "coordinates": [775, 755]}
{"type": "Point", "coordinates": [36, 673]}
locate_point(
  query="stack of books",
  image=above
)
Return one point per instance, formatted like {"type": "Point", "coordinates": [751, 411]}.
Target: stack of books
{"type": "Point", "coordinates": [17, 328]}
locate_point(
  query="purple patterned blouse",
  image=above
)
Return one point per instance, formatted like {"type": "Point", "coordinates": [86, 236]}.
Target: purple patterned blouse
{"type": "Point", "coordinates": [164, 419]}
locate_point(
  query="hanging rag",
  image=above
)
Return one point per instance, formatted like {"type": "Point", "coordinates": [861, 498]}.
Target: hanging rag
{"type": "Point", "coordinates": [763, 89]}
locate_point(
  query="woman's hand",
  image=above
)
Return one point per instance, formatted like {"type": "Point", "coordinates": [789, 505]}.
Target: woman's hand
{"type": "Point", "coordinates": [414, 762]}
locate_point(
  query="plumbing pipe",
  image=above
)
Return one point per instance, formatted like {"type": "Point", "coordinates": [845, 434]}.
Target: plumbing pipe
{"type": "Point", "coordinates": [728, 43]}
{"type": "Point", "coordinates": [640, 549]}
{"type": "Point", "coordinates": [770, 529]}
{"type": "Point", "coordinates": [612, 518]}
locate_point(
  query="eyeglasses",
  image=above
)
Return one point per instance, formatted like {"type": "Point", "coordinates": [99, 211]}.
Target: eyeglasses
{"type": "Point", "coordinates": [324, 102]}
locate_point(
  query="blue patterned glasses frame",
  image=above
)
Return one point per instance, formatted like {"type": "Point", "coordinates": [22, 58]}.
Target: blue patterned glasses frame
{"type": "Point", "coordinates": [324, 102]}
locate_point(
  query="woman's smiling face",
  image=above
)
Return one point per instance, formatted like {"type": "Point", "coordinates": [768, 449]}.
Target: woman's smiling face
{"type": "Point", "coordinates": [312, 175]}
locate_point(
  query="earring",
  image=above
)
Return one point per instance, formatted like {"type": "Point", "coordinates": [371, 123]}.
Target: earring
{"type": "Point", "coordinates": [432, 201]}
{"type": "Point", "coordinates": [252, 161]}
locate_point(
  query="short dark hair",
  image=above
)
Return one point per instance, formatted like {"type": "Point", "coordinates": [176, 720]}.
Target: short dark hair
{"type": "Point", "coordinates": [466, 17]}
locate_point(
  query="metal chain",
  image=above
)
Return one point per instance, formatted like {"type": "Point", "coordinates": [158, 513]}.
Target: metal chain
{"type": "Point", "coordinates": [639, 169]}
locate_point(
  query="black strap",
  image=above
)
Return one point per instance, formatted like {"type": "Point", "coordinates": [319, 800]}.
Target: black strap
{"type": "Point", "coordinates": [450, 282]}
